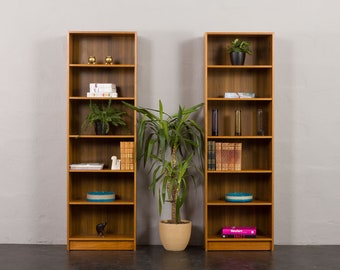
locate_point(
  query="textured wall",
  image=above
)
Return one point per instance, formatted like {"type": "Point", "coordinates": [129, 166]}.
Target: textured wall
{"type": "Point", "coordinates": [33, 105]}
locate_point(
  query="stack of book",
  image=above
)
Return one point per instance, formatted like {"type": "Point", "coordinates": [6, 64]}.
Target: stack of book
{"type": "Point", "coordinates": [102, 90]}
{"type": "Point", "coordinates": [127, 155]}
{"type": "Point", "coordinates": [224, 156]}
{"type": "Point", "coordinates": [239, 232]}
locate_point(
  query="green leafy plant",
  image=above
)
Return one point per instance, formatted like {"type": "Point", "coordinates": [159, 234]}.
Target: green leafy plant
{"type": "Point", "coordinates": [169, 143]}
{"type": "Point", "coordinates": [104, 114]}
{"type": "Point", "coordinates": [238, 45]}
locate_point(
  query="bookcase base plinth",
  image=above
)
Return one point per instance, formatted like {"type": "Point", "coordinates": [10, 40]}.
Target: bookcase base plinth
{"type": "Point", "coordinates": [101, 245]}
{"type": "Point", "coordinates": [239, 245]}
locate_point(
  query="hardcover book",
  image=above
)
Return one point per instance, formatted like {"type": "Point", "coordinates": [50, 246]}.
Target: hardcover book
{"type": "Point", "coordinates": [238, 232]}
{"type": "Point", "coordinates": [238, 156]}
{"type": "Point", "coordinates": [218, 146]}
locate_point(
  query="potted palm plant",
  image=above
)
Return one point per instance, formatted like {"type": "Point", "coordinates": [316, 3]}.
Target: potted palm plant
{"type": "Point", "coordinates": [238, 50]}
{"type": "Point", "coordinates": [172, 145]}
{"type": "Point", "coordinates": [103, 117]}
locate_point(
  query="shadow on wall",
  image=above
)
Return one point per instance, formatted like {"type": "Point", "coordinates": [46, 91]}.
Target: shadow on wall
{"type": "Point", "coordinates": [188, 78]}
{"type": "Point", "coordinates": [284, 154]}
{"type": "Point", "coordinates": [191, 80]}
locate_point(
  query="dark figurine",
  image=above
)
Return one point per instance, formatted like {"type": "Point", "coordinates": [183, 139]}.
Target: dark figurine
{"type": "Point", "coordinates": [100, 229]}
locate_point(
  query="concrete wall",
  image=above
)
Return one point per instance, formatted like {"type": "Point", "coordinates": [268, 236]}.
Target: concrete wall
{"type": "Point", "coordinates": [33, 105]}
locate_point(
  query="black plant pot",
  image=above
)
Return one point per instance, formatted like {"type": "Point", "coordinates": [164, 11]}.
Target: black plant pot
{"type": "Point", "coordinates": [99, 128]}
{"type": "Point", "coordinates": [237, 58]}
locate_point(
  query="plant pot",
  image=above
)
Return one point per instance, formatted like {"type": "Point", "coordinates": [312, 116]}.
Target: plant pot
{"type": "Point", "coordinates": [99, 128]}
{"type": "Point", "coordinates": [175, 237]}
{"type": "Point", "coordinates": [237, 58]}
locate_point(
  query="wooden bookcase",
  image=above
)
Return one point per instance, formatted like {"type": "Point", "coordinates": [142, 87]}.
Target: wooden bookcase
{"type": "Point", "coordinates": [86, 147]}
{"type": "Point", "coordinates": [257, 169]}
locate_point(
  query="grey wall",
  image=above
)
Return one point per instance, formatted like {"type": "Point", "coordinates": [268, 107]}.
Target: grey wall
{"type": "Point", "coordinates": [33, 104]}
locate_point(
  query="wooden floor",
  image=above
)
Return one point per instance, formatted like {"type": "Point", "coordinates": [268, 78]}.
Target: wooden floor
{"type": "Point", "coordinates": [49, 257]}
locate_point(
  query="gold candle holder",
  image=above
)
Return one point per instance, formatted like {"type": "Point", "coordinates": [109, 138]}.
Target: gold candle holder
{"type": "Point", "coordinates": [91, 60]}
{"type": "Point", "coordinates": [108, 60]}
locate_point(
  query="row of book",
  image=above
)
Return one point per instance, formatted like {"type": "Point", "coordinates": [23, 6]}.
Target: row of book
{"type": "Point", "coordinates": [224, 156]}
{"type": "Point", "coordinates": [126, 155]}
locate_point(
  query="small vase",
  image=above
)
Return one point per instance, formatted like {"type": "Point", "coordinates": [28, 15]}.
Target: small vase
{"type": "Point", "coordinates": [237, 58]}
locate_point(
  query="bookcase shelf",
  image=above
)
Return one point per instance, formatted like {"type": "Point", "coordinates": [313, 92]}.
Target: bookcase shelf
{"type": "Point", "coordinates": [256, 175]}
{"type": "Point", "coordinates": [84, 146]}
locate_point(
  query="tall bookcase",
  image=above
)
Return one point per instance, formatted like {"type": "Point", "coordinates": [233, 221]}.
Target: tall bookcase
{"type": "Point", "coordinates": [84, 147]}
{"type": "Point", "coordinates": [256, 175]}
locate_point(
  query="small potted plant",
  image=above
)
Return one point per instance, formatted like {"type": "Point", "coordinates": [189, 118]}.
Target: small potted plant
{"type": "Point", "coordinates": [103, 117]}
{"type": "Point", "coordinates": [238, 50]}
{"type": "Point", "coordinates": [172, 144]}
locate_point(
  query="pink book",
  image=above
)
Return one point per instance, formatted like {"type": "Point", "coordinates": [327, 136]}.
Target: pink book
{"type": "Point", "coordinates": [237, 231]}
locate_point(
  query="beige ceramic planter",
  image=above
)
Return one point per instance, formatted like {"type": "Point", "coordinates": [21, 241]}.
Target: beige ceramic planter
{"type": "Point", "coordinates": [175, 237]}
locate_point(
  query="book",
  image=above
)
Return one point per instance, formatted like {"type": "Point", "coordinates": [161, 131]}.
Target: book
{"type": "Point", "coordinates": [224, 156]}
{"type": "Point", "coordinates": [238, 232]}
{"type": "Point", "coordinates": [231, 156]}
{"type": "Point", "coordinates": [211, 156]}
{"type": "Point", "coordinates": [126, 155]}
{"type": "Point", "coordinates": [218, 151]}
{"type": "Point", "coordinates": [238, 157]}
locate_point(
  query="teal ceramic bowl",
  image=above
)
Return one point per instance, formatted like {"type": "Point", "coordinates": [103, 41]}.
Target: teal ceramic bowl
{"type": "Point", "coordinates": [100, 196]}
{"type": "Point", "coordinates": [238, 197]}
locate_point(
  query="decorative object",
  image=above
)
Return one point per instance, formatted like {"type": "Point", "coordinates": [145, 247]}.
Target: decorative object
{"type": "Point", "coordinates": [259, 122]}
{"type": "Point", "coordinates": [103, 117]}
{"type": "Point", "coordinates": [238, 50]}
{"type": "Point", "coordinates": [108, 60]}
{"type": "Point", "coordinates": [87, 166]}
{"type": "Point", "coordinates": [215, 122]}
{"type": "Point", "coordinates": [239, 197]}
{"type": "Point", "coordinates": [115, 163]}
{"type": "Point", "coordinates": [100, 196]}
{"type": "Point", "coordinates": [237, 122]}
{"type": "Point", "coordinates": [91, 60]}
{"type": "Point", "coordinates": [173, 145]}
{"type": "Point", "coordinates": [239, 95]}
{"type": "Point", "coordinates": [100, 229]}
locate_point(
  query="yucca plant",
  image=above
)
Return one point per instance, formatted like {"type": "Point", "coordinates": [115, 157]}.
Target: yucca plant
{"type": "Point", "coordinates": [169, 143]}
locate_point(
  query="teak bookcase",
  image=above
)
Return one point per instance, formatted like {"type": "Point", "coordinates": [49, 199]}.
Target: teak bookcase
{"type": "Point", "coordinates": [83, 146]}
{"type": "Point", "coordinates": [256, 174]}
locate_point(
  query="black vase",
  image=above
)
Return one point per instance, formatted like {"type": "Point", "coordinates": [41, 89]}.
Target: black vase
{"type": "Point", "coordinates": [99, 128]}
{"type": "Point", "coordinates": [237, 58]}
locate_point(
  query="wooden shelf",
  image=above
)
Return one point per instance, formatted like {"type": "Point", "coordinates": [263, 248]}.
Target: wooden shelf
{"type": "Point", "coordinates": [116, 202]}
{"type": "Point", "coordinates": [256, 175]}
{"type": "Point", "coordinates": [239, 99]}
{"type": "Point", "coordinates": [102, 66]}
{"type": "Point", "coordinates": [240, 67]}
{"type": "Point", "coordinates": [224, 203]}
{"type": "Point", "coordinates": [107, 237]}
{"type": "Point", "coordinates": [241, 171]}
{"type": "Point", "coordinates": [96, 137]}
{"type": "Point", "coordinates": [84, 146]}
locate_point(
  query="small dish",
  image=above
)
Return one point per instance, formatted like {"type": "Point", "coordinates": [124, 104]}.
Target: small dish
{"type": "Point", "coordinates": [239, 197]}
{"type": "Point", "coordinates": [100, 196]}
